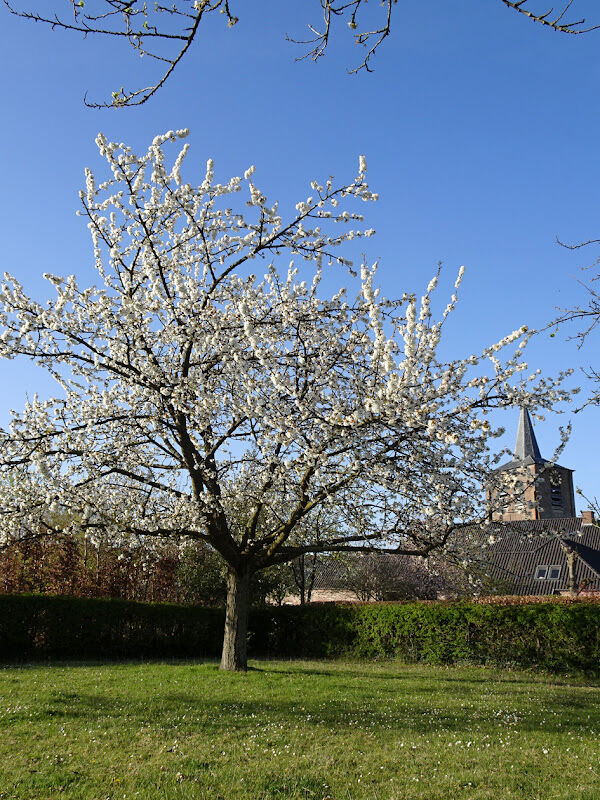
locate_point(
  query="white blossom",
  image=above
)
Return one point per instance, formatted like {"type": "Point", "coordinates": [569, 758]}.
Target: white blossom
{"type": "Point", "coordinates": [211, 395]}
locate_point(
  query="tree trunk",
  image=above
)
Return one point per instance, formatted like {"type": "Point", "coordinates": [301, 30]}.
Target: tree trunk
{"type": "Point", "coordinates": [571, 557]}
{"type": "Point", "coordinates": [234, 657]}
{"type": "Point", "coordinates": [301, 578]}
{"type": "Point", "coordinates": [311, 580]}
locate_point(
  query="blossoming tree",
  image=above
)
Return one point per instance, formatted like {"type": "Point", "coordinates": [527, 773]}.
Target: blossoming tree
{"type": "Point", "coordinates": [207, 394]}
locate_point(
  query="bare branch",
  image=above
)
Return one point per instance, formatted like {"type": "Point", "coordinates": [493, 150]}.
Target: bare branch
{"type": "Point", "coordinates": [549, 19]}
{"type": "Point", "coordinates": [587, 317]}
{"type": "Point", "coordinates": [165, 33]}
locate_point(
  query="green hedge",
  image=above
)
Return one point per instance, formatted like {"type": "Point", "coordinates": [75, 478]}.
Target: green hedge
{"type": "Point", "coordinates": [554, 636]}
{"type": "Point", "coordinates": [42, 626]}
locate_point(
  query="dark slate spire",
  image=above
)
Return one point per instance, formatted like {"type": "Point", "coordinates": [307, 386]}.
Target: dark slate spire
{"type": "Point", "coordinates": [526, 445]}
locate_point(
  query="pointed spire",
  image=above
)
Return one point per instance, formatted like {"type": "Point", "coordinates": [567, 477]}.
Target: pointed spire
{"type": "Point", "coordinates": [526, 445]}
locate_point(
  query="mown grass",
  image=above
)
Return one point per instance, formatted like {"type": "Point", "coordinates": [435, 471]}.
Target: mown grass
{"type": "Point", "coordinates": [310, 730]}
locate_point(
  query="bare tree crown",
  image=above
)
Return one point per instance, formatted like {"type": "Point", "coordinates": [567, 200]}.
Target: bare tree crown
{"type": "Point", "coordinates": [165, 33]}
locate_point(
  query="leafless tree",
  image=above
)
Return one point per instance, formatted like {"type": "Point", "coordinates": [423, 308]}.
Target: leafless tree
{"type": "Point", "coordinates": [586, 316]}
{"type": "Point", "coordinates": [304, 571]}
{"type": "Point", "coordinates": [165, 33]}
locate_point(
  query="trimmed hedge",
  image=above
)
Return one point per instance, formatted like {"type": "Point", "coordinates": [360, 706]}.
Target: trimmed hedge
{"type": "Point", "coordinates": [554, 636]}
{"type": "Point", "coordinates": [45, 626]}
{"type": "Point", "coordinates": [557, 636]}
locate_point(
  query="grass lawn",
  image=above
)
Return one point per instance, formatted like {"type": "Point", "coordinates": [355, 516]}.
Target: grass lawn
{"type": "Point", "coordinates": [342, 730]}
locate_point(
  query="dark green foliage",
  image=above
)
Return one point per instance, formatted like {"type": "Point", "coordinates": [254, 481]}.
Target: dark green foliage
{"type": "Point", "coordinates": [314, 630]}
{"type": "Point", "coordinates": [38, 626]}
{"type": "Point", "coordinates": [555, 636]}
{"type": "Point", "coordinates": [201, 574]}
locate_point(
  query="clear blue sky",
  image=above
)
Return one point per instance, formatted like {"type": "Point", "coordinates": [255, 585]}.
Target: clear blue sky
{"type": "Point", "coordinates": [480, 130]}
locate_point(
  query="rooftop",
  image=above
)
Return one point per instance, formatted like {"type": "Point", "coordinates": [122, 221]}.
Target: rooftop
{"type": "Point", "coordinates": [526, 450]}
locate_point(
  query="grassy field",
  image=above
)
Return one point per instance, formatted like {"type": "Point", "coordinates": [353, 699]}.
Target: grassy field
{"type": "Point", "coordinates": [339, 730]}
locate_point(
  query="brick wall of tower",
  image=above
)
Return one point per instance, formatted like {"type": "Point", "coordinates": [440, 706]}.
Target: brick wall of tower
{"type": "Point", "coordinates": [553, 496]}
{"type": "Point", "coordinates": [517, 508]}
{"type": "Point", "coordinates": [554, 493]}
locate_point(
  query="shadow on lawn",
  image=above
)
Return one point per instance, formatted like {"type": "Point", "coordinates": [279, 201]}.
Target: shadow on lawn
{"type": "Point", "coordinates": [422, 711]}
{"type": "Point", "coordinates": [422, 677]}
{"type": "Point", "coordinates": [327, 668]}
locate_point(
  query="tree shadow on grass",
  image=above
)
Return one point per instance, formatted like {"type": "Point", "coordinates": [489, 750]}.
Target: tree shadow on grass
{"type": "Point", "coordinates": [421, 712]}
{"type": "Point", "coordinates": [52, 664]}
{"type": "Point", "coordinates": [420, 671]}
{"type": "Point", "coordinates": [332, 668]}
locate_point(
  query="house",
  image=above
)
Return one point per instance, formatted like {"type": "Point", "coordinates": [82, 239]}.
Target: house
{"type": "Point", "coordinates": [533, 557]}
{"type": "Point", "coordinates": [537, 544]}
{"type": "Point", "coordinates": [533, 545]}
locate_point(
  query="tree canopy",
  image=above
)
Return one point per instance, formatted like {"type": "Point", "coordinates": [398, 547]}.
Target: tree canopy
{"type": "Point", "coordinates": [210, 394]}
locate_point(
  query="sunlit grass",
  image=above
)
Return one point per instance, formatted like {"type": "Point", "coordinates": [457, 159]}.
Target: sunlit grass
{"type": "Point", "coordinates": [296, 730]}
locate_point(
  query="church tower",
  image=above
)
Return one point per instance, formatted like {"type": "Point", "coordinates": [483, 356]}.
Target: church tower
{"type": "Point", "coordinates": [549, 486]}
